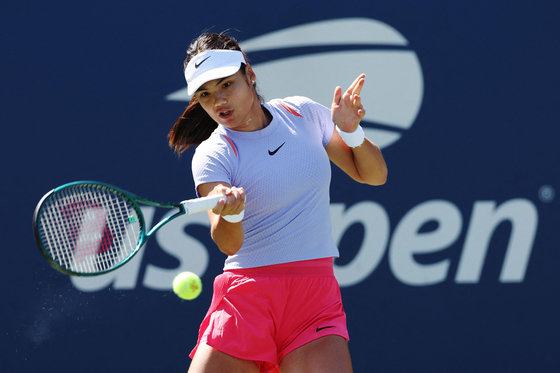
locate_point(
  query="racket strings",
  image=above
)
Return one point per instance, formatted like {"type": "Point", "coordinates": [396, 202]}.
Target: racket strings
{"type": "Point", "coordinates": [88, 229]}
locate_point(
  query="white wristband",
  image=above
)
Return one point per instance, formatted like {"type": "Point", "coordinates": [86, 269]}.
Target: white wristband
{"type": "Point", "coordinates": [234, 218]}
{"type": "Point", "coordinates": [352, 139]}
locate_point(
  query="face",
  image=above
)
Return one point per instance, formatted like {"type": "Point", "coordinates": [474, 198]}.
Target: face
{"type": "Point", "coordinates": [231, 101]}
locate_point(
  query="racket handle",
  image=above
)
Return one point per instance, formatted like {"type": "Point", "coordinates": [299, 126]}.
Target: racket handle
{"type": "Point", "coordinates": [193, 206]}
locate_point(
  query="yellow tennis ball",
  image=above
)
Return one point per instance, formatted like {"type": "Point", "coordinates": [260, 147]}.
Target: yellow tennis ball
{"type": "Point", "coordinates": [187, 285]}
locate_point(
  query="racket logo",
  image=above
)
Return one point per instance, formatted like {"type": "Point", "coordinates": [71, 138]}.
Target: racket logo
{"type": "Point", "coordinates": [87, 230]}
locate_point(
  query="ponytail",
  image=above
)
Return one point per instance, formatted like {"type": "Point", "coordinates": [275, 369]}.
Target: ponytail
{"type": "Point", "coordinates": [192, 128]}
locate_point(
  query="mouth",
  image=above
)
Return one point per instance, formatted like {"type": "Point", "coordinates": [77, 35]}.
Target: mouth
{"type": "Point", "coordinates": [225, 114]}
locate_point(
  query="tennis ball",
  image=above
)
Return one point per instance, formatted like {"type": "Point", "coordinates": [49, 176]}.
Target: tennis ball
{"type": "Point", "coordinates": [187, 285]}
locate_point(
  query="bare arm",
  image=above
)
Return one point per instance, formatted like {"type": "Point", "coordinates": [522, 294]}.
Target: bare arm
{"type": "Point", "coordinates": [365, 163]}
{"type": "Point", "coordinates": [228, 236]}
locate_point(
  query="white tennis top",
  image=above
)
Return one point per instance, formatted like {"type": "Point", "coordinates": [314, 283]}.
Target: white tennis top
{"type": "Point", "coordinates": [286, 174]}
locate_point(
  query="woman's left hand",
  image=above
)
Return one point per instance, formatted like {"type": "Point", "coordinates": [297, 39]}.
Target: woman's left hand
{"type": "Point", "coordinates": [347, 110]}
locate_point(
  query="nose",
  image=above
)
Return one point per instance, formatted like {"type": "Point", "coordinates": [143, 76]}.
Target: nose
{"type": "Point", "coordinates": [221, 99]}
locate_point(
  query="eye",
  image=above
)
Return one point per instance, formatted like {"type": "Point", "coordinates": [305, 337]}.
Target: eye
{"type": "Point", "coordinates": [226, 84]}
{"type": "Point", "coordinates": [203, 94]}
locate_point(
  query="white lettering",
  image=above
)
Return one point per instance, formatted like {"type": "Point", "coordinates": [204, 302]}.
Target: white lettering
{"type": "Point", "coordinates": [375, 221]}
{"type": "Point", "coordinates": [191, 253]}
{"type": "Point", "coordinates": [485, 219]}
{"type": "Point", "coordinates": [408, 241]}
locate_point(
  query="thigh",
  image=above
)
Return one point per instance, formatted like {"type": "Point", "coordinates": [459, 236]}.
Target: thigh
{"type": "Point", "coordinates": [313, 310]}
{"type": "Point", "coordinates": [210, 360]}
{"type": "Point", "coordinates": [328, 354]}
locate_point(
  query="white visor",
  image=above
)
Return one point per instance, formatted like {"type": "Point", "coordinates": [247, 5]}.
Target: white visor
{"type": "Point", "coordinates": [210, 65]}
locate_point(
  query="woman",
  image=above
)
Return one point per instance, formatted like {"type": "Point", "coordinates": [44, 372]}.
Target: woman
{"type": "Point", "coordinates": [277, 306]}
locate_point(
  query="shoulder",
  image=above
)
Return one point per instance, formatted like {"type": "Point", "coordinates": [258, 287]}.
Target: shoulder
{"type": "Point", "coordinates": [297, 105]}
{"type": "Point", "coordinates": [218, 145]}
{"type": "Point", "coordinates": [292, 101]}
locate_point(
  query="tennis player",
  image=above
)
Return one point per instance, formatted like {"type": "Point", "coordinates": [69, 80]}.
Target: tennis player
{"type": "Point", "coordinates": [277, 306]}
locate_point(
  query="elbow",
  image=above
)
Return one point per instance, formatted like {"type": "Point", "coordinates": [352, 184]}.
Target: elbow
{"type": "Point", "coordinates": [228, 237]}
{"type": "Point", "coordinates": [379, 183]}
{"type": "Point", "coordinates": [228, 244]}
{"type": "Point", "coordinates": [379, 178]}
{"type": "Point", "coordinates": [229, 250]}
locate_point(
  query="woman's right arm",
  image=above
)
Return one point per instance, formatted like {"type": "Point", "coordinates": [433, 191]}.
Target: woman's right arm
{"type": "Point", "coordinates": [228, 236]}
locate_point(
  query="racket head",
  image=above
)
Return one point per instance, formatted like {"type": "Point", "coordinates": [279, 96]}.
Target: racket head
{"type": "Point", "coordinates": [87, 228]}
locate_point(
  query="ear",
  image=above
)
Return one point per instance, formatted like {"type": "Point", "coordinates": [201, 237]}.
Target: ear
{"type": "Point", "coordinates": [250, 74]}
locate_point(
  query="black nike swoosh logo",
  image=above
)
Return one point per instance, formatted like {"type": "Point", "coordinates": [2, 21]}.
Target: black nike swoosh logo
{"type": "Point", "coordinates": [196, 65]}
{"type": "Point", "coordinates": [324, 327]}
{"type": "Point", "coordinates": [274, 152]}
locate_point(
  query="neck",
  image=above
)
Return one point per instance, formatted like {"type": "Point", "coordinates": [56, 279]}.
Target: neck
{"type": "Point", "coordinates": [266, 117]}
{"type": "Point", "coordinates": [260, 119]}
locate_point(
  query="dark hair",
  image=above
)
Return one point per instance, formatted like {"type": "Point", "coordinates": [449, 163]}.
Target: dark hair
{"type": "Point", "coordinates": [195, 125]}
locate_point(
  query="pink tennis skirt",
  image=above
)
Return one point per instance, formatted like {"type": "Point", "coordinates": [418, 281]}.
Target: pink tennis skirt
{"type": "Point", "coordinates": [264, 313]}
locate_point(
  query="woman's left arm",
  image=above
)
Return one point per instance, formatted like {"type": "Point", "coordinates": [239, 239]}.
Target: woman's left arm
{"type": "Point", "coordinates": [363, 163]}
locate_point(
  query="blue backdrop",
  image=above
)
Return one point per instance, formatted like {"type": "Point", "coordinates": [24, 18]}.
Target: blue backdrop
{"type": "Point", "coordinates": [449, 267]}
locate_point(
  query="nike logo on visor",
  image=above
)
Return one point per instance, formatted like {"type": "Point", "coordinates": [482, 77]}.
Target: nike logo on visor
{"type": "Point", "coordinates": [196, 65]}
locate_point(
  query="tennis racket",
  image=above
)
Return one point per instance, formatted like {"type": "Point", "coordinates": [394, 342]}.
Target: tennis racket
{"type": "Point", "coordinates": [87, 228]}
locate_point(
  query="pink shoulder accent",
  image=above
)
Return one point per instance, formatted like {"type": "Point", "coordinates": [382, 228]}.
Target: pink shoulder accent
{"type": "Point", "coordinates": [232, 145]}
{"type": "Point", "coordinates": [290, 110]}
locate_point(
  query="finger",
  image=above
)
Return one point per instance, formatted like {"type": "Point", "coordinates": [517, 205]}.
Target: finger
{"type": "Point", "coordinates": [228, 206]}
{"type": "Point", "coordinates": [222, 189]}
{"type": "Point", "coordinates": [242, 200]}
{"type": "Point", "coordinates": [235, 202]}
{"type": "Point", "coordinates": [233, 196]}
{"type": "Point", "coordinates": [361, 107]}
{"type": "Point", "coordinates": [357, 101]}
{"type": "Point", "coordinates": [219, 206]}
{"type": "Point", "coordinates": [356, 87]}
{"type": "Point", "coordinates": [358, 82]}
{"type": "Point", "coordinates": [337, 96]}
{"type": "Point", "coordinates": [361, 113]}
{"type": "Point", "coordinates": [237, 209]}
{"type": "Point", "coordinates": [242, 194]}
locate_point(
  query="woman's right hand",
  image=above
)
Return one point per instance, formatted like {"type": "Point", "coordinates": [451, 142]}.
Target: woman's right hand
{"type": "Point", "coordinates": [227, 235]}
{"type": "Point", "coordinates": [233, 204]}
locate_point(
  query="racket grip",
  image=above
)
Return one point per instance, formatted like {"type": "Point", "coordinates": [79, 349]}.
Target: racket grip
{"type": "Point", "coordinates": [192, 206]}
